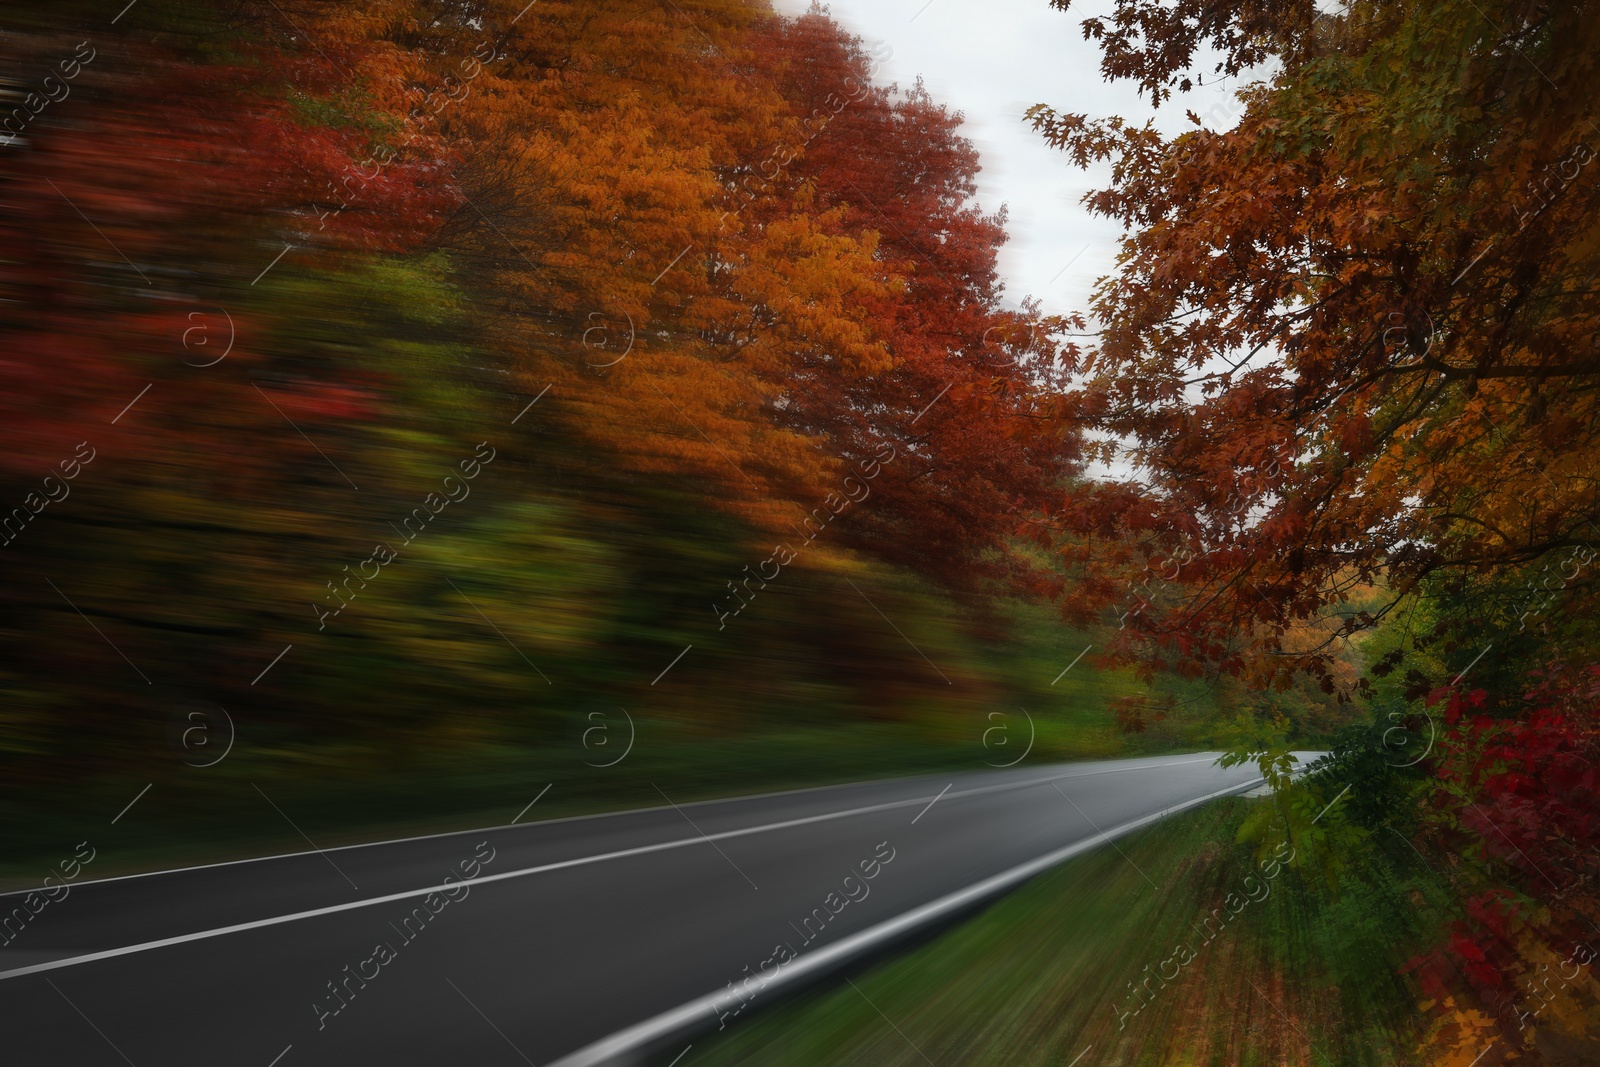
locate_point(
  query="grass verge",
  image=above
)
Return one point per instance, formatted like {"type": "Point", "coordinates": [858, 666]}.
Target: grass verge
{"type": "Point", "coordinates": [1069, 971]}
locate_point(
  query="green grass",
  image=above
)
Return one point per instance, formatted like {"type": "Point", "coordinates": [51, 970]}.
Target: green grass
{"type": "Point", "coordinates": [1042, 975]}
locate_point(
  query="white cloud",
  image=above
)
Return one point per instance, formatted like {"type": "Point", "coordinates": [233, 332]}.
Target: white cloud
{"type": "Point", "coordinates": [992, 60]}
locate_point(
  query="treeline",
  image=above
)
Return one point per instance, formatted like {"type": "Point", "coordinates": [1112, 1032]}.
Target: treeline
{"type": "Point", "coordinates": [406, 381]}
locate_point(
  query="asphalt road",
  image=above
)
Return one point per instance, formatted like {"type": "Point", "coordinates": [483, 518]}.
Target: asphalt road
{"type": "Point", "coordinates": [538, 940]}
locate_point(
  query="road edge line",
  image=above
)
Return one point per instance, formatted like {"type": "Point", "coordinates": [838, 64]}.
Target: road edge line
{"type": "Point", "coordinates": [640, 1036]}
{"type": "Point", "coordinates": [502, 876]}
{"type": "Point", "coordinates": [164, 872]}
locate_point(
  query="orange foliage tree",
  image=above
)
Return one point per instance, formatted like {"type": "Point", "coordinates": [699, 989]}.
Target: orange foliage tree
{"type": "Point", "coordinates": [1352, 338]}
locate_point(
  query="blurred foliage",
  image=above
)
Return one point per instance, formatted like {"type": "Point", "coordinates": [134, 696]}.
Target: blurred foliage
{"type": "Point", "coordinates": [1122, 953]}
{"type": "Point", "coordinates": [451, 372]}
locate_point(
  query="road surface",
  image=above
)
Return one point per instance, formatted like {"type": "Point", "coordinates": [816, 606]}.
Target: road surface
{"type": "Point", "coordinates": [575, 940]}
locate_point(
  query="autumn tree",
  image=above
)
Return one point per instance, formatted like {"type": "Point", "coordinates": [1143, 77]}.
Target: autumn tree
{"type": "Point", "coordinates": [1352, 338]}
{"type": "Point", "coordinates": [737, 258]}
{"type": "Point", "coordinates": [968, 391]}
{"type": "Point", "coordinates": [286, 264]}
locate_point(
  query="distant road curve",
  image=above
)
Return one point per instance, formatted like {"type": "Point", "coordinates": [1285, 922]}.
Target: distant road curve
{"type": "Point", "coordinates": [576, 941]}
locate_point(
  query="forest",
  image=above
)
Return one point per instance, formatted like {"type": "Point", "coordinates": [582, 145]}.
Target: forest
{"type": "Point", "coordinates": [409, 400]}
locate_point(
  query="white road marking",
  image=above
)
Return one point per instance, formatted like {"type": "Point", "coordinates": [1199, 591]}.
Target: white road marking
{"type": "Point", "coordinates": [1148, 762]}
{"type": "Point", "coordinates": [608, 1049]}
{"type": "Point", "coordinates": [1128, 765]}
{"type": "Point", "coordinates": [583, 861]}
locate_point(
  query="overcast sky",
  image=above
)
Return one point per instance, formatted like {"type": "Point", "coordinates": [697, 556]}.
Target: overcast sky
{"type": "Point", "coordinates": [992, 60]}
